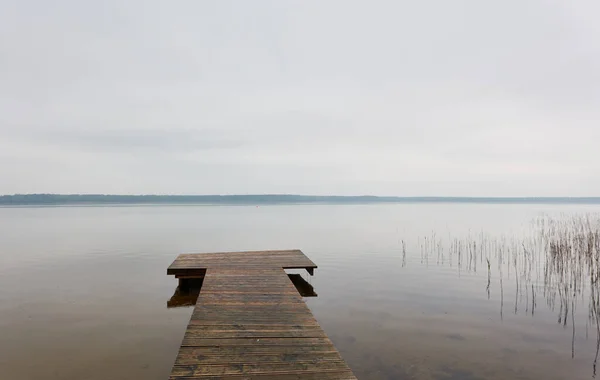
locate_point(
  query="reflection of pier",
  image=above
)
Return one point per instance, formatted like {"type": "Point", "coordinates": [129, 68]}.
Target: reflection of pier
{"type": "Point", "coordinates": [250, 320]}
{"type": "Point", "coordinates": [302, 286]}
{"type": "Point", "coordinates": [186, 295]}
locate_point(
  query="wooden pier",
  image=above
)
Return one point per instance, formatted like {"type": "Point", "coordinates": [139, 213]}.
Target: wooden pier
{"type": "Point", "coordinates": [250, 322]}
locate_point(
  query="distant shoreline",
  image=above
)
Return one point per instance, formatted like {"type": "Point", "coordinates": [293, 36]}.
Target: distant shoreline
{"type": "Point", "coordinates": [265, 199]}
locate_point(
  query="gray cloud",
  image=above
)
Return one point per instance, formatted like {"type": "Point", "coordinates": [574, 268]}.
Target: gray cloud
{"type": "Point", "coordinates": [385, 97]}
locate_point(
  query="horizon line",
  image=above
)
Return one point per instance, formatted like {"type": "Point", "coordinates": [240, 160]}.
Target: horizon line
{"type": "Point", "coordinates": [268, 199]}
{"type": "Point", "coordinates": [306, 195]}
{"type": "Point", "coordinates": [299, 195]}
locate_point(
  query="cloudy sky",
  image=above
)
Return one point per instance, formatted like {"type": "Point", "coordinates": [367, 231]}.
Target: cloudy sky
{"type": "Point", "coordinates": [472, 98]}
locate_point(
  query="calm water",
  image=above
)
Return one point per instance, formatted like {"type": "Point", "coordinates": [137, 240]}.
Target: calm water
{"type": "Point", "coordinates": [83, 290]}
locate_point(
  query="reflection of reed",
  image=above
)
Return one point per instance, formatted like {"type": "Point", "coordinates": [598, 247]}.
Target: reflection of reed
{"type": "Point", "coordinates": [403, 254]}
{"type": "Point", "coordinates": [562, 253]}
{"type": "Point", "coordinates": [595, 318]}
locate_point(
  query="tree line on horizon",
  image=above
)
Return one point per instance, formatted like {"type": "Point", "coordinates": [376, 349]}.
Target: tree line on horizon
{"type": "Point", "coordinates": [66, 199]}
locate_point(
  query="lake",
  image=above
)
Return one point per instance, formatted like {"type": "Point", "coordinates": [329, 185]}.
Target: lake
{"type": "Point", "coordinates": [405, 291]}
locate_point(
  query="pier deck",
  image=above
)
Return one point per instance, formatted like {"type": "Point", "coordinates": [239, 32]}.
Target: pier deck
{"type": "Point", "coordinates": [250, 322]}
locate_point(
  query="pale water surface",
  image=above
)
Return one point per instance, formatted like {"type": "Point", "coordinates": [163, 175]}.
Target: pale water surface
{"type": "Point", "coordinates": [83, 290]}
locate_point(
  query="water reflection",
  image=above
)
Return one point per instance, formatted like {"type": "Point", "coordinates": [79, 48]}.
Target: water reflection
{"type": "Point", "coordinates": [187, 292]}
{"type": "Point", "coordinates": [302, 286]}
{"type": "Point", "coordinates": [555, 258]}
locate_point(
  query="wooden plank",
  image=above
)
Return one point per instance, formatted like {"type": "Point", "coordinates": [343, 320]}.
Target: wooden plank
{"type": "Point", "coordinates": [308, 320]}
{"type": "Point", "coordinates": [262, 357]}
{"type": "Point", "coordinates": [200, 325]}
{"type": "Point", "coordinates": [253, 350]}
{"type": "Point", "coordinates": [255, 334]}
{"type": "Point", "coordinates": [258, 368]}
{"type": "Point", "coordinates": [250, 322]}
{"type": "Point", "coordinates": [241, 342]}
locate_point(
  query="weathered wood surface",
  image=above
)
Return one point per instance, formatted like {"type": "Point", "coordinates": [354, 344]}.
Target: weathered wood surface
{"type": "Point", "coordinates": [250, 322]}
{"type": "Point", "coordinates": [240, 261]}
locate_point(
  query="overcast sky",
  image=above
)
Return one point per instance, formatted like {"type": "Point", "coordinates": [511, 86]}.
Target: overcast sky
{"type": "Point", "coordinates": [472, 98]}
